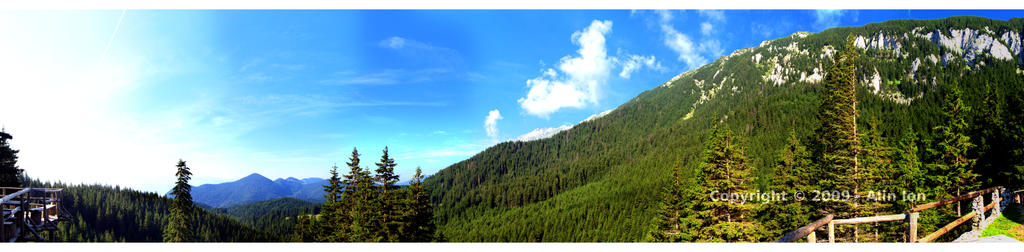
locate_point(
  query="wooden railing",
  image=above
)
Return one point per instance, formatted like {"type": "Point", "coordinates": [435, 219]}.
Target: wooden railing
{"type": "Point", "coordinates": [29, 211]}
{"type": "Point", "coordinates": [911, 217]}
{"type": "Point", "coordinates": [807, 231]}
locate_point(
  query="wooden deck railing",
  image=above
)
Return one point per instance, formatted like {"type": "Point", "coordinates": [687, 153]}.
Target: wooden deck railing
{"type": "Point", "coordinates": [911, 217]}
{"type": "Point", "coordinates": [28, 211]}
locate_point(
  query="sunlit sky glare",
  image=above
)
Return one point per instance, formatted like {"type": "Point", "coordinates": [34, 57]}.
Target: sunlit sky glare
{"type": "Point", "coordinates": [117, 97]}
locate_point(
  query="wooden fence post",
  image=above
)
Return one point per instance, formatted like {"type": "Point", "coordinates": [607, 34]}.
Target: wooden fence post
{"type": "Point", "coordinates": [811, 238]}
{"type": "Point", "coordinates": [831, 231]}
{"type": "Point", "coordinates": [979, 212]}
{"type": "Point", "coordinates": [912, 233]}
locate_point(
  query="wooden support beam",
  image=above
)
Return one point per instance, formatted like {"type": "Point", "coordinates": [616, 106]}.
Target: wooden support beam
{"type": "Point", "coordinates": [805, 230]}
{"type": "Point", "coordinates": [953, 199]}
{"type": "Point", "coordinates": [931, 237]}
{"type": "Point", "coordinates": [812, 238]}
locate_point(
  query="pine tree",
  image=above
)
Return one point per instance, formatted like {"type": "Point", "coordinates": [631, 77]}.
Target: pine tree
{"type": "Point", "coordinates": [366, 225]}
{"type": "Point", "coordinates": [839, 143]}
{"type": "Point", "coordinates": [332, 208]}
{"type": "Point", "coordinates": [882, 179]}
{"type": "Point", "coordinates": [388, 201]}
{"type": "Point", "coordinates": [10, 174]}
{"type": "Point", "coordinates": [908, 166]}
{"type": "Point", "coordinates": [724, 171]}
{"type": "Point", "coordinates": [332, 191]}
{"type": "Point", "coordinates": [951, 170]}
{"type": "Point", "coordinates": [179, 227]}
{"type": "Point", "coordinates": [337, 219]}
{"type": "Point", "coordinates": [418, 226]}
{"type": "Point", "coordinates": [792, 174]}
{"type": "Point", "coordinates": [669, 225]}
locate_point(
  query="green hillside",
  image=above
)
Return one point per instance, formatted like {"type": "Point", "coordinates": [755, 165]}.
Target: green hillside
{"type": "Point", "coordinates": [276, 216]}
{"type": "Point", "coordinates": [602, 179]}
{"type": "Point", "coordinates": [112, 214]}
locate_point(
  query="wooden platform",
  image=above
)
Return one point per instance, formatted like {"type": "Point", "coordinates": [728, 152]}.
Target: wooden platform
{"type": "Point", "coordinates": [29, 214]}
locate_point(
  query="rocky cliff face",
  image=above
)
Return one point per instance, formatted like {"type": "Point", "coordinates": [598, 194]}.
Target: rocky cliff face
{"type": "Point", "coordinates": [787, 61]}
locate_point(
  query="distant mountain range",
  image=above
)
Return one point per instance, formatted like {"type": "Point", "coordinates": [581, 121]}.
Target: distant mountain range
{"type": "Point", "coordinates": [256, 187]}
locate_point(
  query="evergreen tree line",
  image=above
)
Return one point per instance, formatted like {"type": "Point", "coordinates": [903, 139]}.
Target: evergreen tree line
{"type": "Point", "coordinates": [361, 206]}
{"type": "Point", "coordinates": [276, 216]}
{"type": "Point", "coordinates": [839, 158]}
{"type": "Point", "coordinates": [10, 174]}
{"type": "Point", "coordinates": [102, 213]}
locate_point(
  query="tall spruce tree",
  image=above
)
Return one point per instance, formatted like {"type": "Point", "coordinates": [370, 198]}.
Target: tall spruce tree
{"type": "Point", "coordinates": [341, 229]}
{"type": "Point", "coordinates": [838, 141]}
{"type": "Point", "coordinates": [792, 174]}
{"type": "Point", "coordinates": [669, 224]}
{"type": "Point", "coordinates": [10, 174]}
{"type": "Point", "coordinates": [366, 225]}
{"type": "Point", "coordinates": [179, 227]}
{"type": "Point", "coordinates": [388, 201]}
{"type": "Point", "coordinates": [418, 225]}
{"type": "Point", "coordinates": [951, 171]}
{"type": "Point", "coordinates": [723, 171]}
{"type": "Point", "coordinates": [332, 207]}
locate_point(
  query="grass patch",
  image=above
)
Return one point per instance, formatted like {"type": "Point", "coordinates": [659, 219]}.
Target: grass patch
{"type": "Point", "coordinates": [1010, 223]}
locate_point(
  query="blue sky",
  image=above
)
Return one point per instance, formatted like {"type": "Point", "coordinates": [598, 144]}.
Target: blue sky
{"type": "Point", "coordinates": [116, 97]}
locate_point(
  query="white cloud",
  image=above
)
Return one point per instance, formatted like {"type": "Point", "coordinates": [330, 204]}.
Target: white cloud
{"type": "Point", "coordinates": [711, 46]}
{"type": "Point", "coordinates": [632, 63]}
{"type": "Point", "coordinates": [581, 79]}
{"type": "Point", "coordinates": [705, 28]}
{"type": "Point", "coordinates": [584, 75]}
{"type": "Point", "coordinates": [683, 45]}
{"type": "Point", "coordinates": [694, 54]}
{"type": "Point", "coordinates": [491, 124]}
{"type": "Point", "coordinates": [713, 15]}
{"type": "Point", "coordinates": [393, 42]}
{"type": "Point", "coordinates": [825, 19]}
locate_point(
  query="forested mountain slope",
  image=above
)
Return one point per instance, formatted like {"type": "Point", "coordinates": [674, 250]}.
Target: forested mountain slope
{"type": "Point", "coordinates": [112, 214]}
{"type": "Point", "coordinates": [276, 216]}
{"type": "Point", "coordinates": [601, 180]}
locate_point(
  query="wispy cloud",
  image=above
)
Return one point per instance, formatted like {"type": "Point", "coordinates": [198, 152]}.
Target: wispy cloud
{"type": "Point", "coordinates": [631, 63]}
{"type": "Point", "coordinates": [824, 19]}
{"type": "Point", "coordinates": [706, 28]}
{"type": "Point", "coordinates": [762, 29]}
{"type": "Point", "coordinates": [491, 124]}
{"type": "Point", "coordinates": [103, 56]}
{"type": "Point", "coordinates": [713, 15]}
{"type": "Point", "coordinates": [422, 52]}
{"type": "Point", "coordinates": [388, 76]}
{"type": "Point", "coordinates": [694, 54]}
{"type": "Point", "coordinates": [683, 45]}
